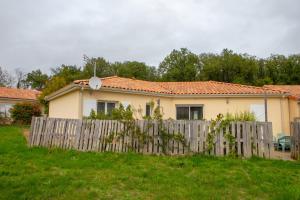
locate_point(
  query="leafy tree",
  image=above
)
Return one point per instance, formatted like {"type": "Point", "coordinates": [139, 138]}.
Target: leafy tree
{"type": "Point", "coordinates": [103, 68]}
{"type": "Point", "coordinates": [229, 67]}
{"type": "Point", "coordinates": [180, 65]}
{"type": "Point", "coordinates": [36, 79]}
{"type": "Point", "coordinates": [54, 84]}
{"type": "Point", "coordinates": [68, 72]}
{"type": "Point", "coordinates": [134, 69]}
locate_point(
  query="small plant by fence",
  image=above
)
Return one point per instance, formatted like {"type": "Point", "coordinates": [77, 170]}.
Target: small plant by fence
{"type": "Point", "coordinates": [177, 138]}
{"type": "Point", "coordinates": [295, 139]}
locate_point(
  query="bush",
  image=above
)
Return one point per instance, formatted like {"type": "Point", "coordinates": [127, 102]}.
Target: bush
{"type": "Point", "coordinates": [22, 113]}
{"type": "Point", "coordinates": [4, 120]}
{"type": "Point", "coordinates": [119, 113]}
{"type": "Point", "coordinates": [241, 116]}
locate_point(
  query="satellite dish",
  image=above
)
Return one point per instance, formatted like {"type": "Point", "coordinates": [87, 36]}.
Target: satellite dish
{"type": "Point", "coordinates": [95, 83]}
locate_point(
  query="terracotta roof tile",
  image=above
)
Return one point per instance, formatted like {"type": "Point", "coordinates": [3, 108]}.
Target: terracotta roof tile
{"type": "Point", "coordinates": [15, 93]}
{"type": "Point", "coordinates": [180, 88]}
{"type": "Point", "coordinates": [293, 90]}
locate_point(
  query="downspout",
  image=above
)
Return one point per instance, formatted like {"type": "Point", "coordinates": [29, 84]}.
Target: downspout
{"type": "Point", "coordinates": [80, 116]}
{"type": "Point", "coordinates": [266, 105]}
{"type": "Point", "coordinates": [282, 116]}
{"type": "Point", "coordinates": [289, 113]}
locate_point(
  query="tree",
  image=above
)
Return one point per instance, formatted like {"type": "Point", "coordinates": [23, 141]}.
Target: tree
{"type": "Point", "coordinates": [36, 79]}
{"type": "Point", "coordinates": [68, 72]}
{"type": "Point", "coordinates": [180, 65]}
{"type": "Point", "coordinates": [229, 67]}
{"type": "Point", "coordinates": [103, 68]}
{"type": "Point", "coordinates": [54, 84]}
{"type": "Point", "coordinates": [6, 79]}
{"type": "Point", "coordinates": [20, 77]}
{"type": "Point", "coordinates": [134, 69]}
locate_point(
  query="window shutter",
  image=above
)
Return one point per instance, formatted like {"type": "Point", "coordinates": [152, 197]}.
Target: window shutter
{"type": "Point", "coordinates": [88, 105]}
{"type": "Point", "coordinates": [259, 111]}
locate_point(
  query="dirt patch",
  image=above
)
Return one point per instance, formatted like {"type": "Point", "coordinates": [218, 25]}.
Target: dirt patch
{"type": "Point", "coordinates": [26, 132]}
{"type": "Point", "coordinates": [282, 155]}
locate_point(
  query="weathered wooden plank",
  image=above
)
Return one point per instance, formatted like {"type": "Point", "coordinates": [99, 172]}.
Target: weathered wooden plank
{"type": "Point", "coordinates": [32, 131]}
{"type": "Point", "coordinates": [92, 135]}
{"type": "Point", "coordinates": [77, 134]}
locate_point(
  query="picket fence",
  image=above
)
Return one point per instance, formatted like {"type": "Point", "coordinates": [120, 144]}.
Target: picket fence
{"type": "Point", "coordinates": [295, 139]}
{"type": "Point", "coordinates": [250, 138]}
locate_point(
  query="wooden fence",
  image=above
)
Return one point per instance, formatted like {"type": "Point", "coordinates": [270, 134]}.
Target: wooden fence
{"type": "Point", "coordinates": [295, 139]}
{"type": "Point", "coordinates": [249, 138]}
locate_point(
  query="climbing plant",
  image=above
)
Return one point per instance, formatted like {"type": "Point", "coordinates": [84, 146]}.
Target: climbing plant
{"type": "Point", "coordinates": [132, 129]}
{"type": "Point", "coordinates": [221, 123]}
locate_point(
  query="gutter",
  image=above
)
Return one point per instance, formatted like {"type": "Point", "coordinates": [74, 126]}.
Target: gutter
{"type": "Point", "coordinates": [62, 91]}
{"type": "Point", "coordinates": [17, 99]}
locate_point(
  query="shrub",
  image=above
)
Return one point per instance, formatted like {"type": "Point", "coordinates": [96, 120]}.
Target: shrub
{"type": "Point", "coordinates": [119, 113]}
{"type": "Point", "coordinates": [241, 116]}
{"type": "Point", "coordinates": [22, 113]}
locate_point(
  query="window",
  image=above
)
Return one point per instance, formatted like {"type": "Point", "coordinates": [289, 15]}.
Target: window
{"type": "Point", "coordinates": [4, 109]}
{"type": "Point", "coordinates": [189, 112]}
{"type": "Point", "coordinates": [148, 110]}
{"type": "Point", "coordinates": [105, 107]}
{"type": "Point", "coordinates": [110, 107]}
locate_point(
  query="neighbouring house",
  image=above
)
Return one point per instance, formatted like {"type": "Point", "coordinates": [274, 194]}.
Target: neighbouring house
{"type": "Point", "coordinates": [293, 100]}
{"type": "Point", "coordinates": [11, 96]}
{"type": "Point", "coordinates": [178, 100]}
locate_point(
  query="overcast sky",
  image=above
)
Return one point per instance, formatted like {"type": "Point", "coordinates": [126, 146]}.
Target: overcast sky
{"type": "Point", "coordinates": [42, 34]}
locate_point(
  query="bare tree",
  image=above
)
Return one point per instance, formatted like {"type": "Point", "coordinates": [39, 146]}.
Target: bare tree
{"type": "Point", "coordinates": [6, 80]}
{"type": "Point", "coordinates": [20, 78]}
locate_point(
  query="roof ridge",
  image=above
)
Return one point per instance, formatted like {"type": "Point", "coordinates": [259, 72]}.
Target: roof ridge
{"type": "Point", "coordinates": [183, 87]}
{"type": "Point", "coordinates": [283, 90]}
{"type": "Point", "coordinates": [242, 85]}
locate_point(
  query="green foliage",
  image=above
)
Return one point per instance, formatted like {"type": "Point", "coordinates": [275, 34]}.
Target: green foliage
{"type": "Point", "coordinates": [40, 173]}
{"type": "Point", "coordinates": [241, 116]}
{"type": "Point", "coordinates": [22, 113]}
{"type": "Point", "coordinates": [134, 69]}
{"type": "Point", "coordinates": [183, 65]}
{"type": "Point", "coordinates": [68, 72]}
{"type": "Point", "coordinates": [36, 79]}
{"type": "Point", "coordinates": [52, 85]}
{"type": "Point", "coordinates": [133, 130]}
{"type": "Point", "coordinates": [180, 65]}
{"type": "Point", "coordinates": [119, 113]}
{"type": "Point", "coordinates": [103, 68]}
{"type": "Point", "coordinates": [229, 67]}
{"type": "Point", "coordinates": [221, 123]}
{"type": "Point", "coordinates": [165, 137]}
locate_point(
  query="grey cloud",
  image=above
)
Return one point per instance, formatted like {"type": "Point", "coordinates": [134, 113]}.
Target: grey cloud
{"type": "Point", "coordinates": [43, 34]}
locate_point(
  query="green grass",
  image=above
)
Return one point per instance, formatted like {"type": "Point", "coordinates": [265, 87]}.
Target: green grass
{"type": "Point", "coordinates": [39, 173]}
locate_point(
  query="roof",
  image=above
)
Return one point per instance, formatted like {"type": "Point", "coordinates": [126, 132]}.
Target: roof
{"type": "Point", "coordinates": [293, 90]}
{"type": "Point", "coordinates": [181, 88]}
{"type": "Point", "coordinates": [14, 93]}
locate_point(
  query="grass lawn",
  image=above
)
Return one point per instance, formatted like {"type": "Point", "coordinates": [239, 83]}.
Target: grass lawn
{"type": "Point", "coordinates": [39, 173]}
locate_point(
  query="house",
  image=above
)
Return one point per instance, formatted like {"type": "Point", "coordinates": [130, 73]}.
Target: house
{"type": "Point", "coordinates": [178, 100]}
{"type": "Point", "coordinates": [293, 100]}
{"type": "Point", "coordinates": [11, 96]}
